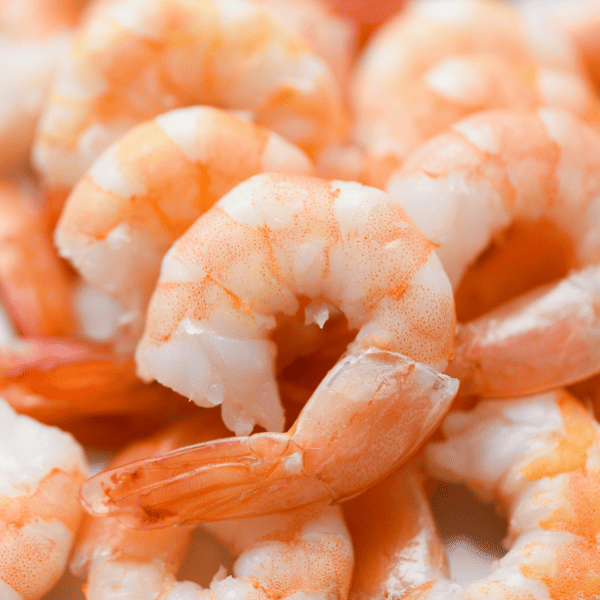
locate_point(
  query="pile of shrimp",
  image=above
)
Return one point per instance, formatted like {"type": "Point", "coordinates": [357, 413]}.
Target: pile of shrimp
{"type": "Point", "coordinates": [285, 262]}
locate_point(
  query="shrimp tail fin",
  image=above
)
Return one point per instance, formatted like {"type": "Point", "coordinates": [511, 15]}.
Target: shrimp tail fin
{"type": "Point", "coordinates": [321, 459]}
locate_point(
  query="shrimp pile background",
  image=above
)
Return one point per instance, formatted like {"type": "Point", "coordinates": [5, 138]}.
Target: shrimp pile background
{"type": "Point", "coordinates": [296, 274]}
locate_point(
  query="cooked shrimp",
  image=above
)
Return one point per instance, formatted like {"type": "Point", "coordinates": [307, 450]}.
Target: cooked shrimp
{"type": "Point", "coordinates": [305, 551]}
{"type": "Point", "coordinates": [539, 457]}
{"type": "Point", "coordinates": [579, 20]}
{"type": "Point", "coordinates": [229, 53]}
{"type": "Point", "coordinates": [431, 30]}
{"type": "Point", "coordinates": [149, 187]}
{"type": "Point", "coordinates": [34, 35]}
{"type": "Point", "coordinates": [499, 170]}
{"type": "Point", "coordinates": [539, 341]}
{"type": "Point", "coordinates": [396, 546]}
{"type": "Point", "coordinates": [42, 469]}
{"type": "Point", "coordinates": [285, 245]}
{"type": "Point", "coordinates": [34, 284]}
{"type": "Point", "coordinates": [456, 87]}
{"type": "Point", "coordinates": [79, 386]}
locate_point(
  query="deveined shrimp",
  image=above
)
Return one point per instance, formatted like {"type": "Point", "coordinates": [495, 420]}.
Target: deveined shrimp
{"type": "Point", "coordinates": [538, 456]}
{"type": "Point", "coordinates": [149, 187]}
{"type": "Point", "coordinates": [431, 30]}
{"type": "Point", "coordinates": [280, 244]}
{"type": "Point", "coordinates": [499, 170]}
{"type": "Point", "coordinates": [230, 53]}
{"type": "Point", "coordinates": [456, 87]}
{"type": "Point", "coordinates": [42, 469]}
{"type": "Point", "coordinates": [305, 551]}
{"type": "Point", "coordinates": [34, 284]}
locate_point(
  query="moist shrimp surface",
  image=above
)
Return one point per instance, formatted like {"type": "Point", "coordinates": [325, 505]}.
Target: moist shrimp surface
{"type": "Point", "coordinates": [288, 245]}
{"type": "Point", "coordinates": [181, 52]}
{"type": "Point", "coordinates": [42, 469]}
{"type": "Point", "coordinates": [149, 187]}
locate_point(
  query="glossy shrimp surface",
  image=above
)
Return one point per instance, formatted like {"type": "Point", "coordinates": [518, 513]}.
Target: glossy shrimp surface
{"type": "Point", "coordinates": [306, 247]}
{"type": "Point", "coordinates": [149, 187]}
{"type": "Point", "coordinates": [42, 469]}
{"type": "Point", "coordinates": [181, 52]}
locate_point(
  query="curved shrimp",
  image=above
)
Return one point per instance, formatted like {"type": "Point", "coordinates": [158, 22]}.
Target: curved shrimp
{"type": "Point", "coordinates": [149, 187]}
{"type": "Point", "coordinates": [181, 52]}
{"type": "Point", "coordinates": [430, 30]}
{"type": "Point", "coordinates": [34, 283]}
{"type": "Point", "coordinates": [42, 469]}
{"type": "Point", "coordinates": [457, 87]}
{"type": "Point", "coordinates": [537, 457]}
{"type": "Point", "coordinates": [304, 551]}
{"type": "Point", "coordinates": [502, 169]}
{"type": "Point", "coordinates": [286, 245]}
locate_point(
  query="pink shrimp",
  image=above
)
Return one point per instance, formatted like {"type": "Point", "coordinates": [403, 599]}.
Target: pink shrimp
{"type": "Point", "coordinates": [181, 52]}
{"type": "Point", "coordinates": [42, 469]}
{"type": "Point", "coordinates": [34, 284]}
{"type": "Point", "coordinates": [337, 246]}
{"type": "Point", "coordinates": [304, 551]}
{"type": "Point", "coordinates": [149, 187]}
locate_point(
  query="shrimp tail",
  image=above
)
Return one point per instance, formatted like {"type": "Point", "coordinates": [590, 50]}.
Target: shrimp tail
{"type": "Point", "coordinates": [320, 459]}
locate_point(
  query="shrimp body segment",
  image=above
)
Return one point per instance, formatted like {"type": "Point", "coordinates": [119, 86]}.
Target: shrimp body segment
{"type": "Point", "coordinates": [305, 551]}
{"type": "Point", "coordinates": [42, 469]}
{"type": "Point", "coordinates": [229, 53]}
{"type": "Point", "coordinates": [547, 338]}
{"type": "Point", "coordinates": [150, 186]}
{"type": "Point", "coordinates": [281, 239]}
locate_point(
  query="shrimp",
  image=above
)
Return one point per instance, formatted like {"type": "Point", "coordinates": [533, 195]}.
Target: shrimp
{"type": "Point", "coordinates": [34, 284]}
{"type": "Point", "coordinates": [231, 53]}
{"type": "Point", "coordinates": [290, 244]}
{"type": "Point", "coordinates": [76, 385]}
{"type": "Point", "coordinates": [502, 169]}
{"type": "Point", "coordinates": [547, 338]}
{"type": "Point", "coordinates": [149, 187]}
{"type": "Point", "coordinates": [42, 469]}
{"type": "Point", "coordinates": [304, 551]}
{"type": "Point", "coordinates": [34, 35]}
{"type": "Point", "coordinates": [538, 458]}
{"type": "Point", "coordinates": [430, 30]}
{"type": "Point", "coordinates": [456, 87]}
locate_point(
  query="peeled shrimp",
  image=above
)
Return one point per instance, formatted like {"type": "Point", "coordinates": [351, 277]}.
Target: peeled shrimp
{"type": "Point", "coordinates": [498, 168]}
{"type": "Point", "coordinates": [547, 338]}
{"type": "Point", "coordinates": [277, 244]}
{"type": "Point", "coordinates": [35, 286]}
{"type": "Point", "coordinates": [230, 53]}
{"type": "Point", "coordinates": [34, 35]}
{"type": "Point", "coordinates": [539, 457]}
{"type": "Point", "coordinates": [456, 87]}
{"type": "Point", "coordinates": [305, 551]}
{"type": "Point", "coordinates": [149, 187]}
{"type": "Point", "coordinates": [430, 30]}
{"type": "Point", "coordinates": [42, 469]}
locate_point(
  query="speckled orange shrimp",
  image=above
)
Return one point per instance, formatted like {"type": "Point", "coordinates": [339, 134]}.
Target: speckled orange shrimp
{"type": "Point", "coordinates": [149, 187]}
{"type": "Point", "coordinates": [303, 552]}
{"type": "Point", "coordinates": [285, 245]}
{"type": "Point", "coordinates": [42, 469]}
{"type": "Point", "coordinates": [538, 458]}
{"type": "Point", "coordinates": [229, 53]}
